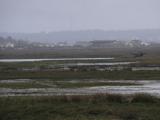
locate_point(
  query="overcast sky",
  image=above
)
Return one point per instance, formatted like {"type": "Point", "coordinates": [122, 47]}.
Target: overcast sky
{"type": "Point", "coordinates": [60, 15]}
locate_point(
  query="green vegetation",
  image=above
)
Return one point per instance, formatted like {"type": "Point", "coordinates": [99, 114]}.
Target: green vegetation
{"type": "Point", "coordinates": [60, 84]}
{"type": "Point", "coordinates": [89, 84]}
{"type": "Point", "coordinates": [14, 70]}
{"type": "Point", "coordinates": [22, 85]}
{"type": "Point", "coordinates": [68, 75]}
{"type": "Point", "coordinates": [95, 107]}
{"type": "Point", "coordinates": [122, 52]}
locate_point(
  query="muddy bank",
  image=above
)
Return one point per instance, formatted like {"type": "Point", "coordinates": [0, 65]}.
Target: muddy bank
{"type": "Point", "coordinates": [144, 86]}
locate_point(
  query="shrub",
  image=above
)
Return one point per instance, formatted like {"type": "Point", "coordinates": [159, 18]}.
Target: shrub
{"type": "Point", "coordinates": [144, 98]}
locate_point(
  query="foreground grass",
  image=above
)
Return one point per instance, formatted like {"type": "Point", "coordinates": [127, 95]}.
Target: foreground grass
{"type": "Point", "coordinates": [96, 107]}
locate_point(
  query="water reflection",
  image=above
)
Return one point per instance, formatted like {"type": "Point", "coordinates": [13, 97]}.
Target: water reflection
{"type": "Point", "coordinates": [146, 86]}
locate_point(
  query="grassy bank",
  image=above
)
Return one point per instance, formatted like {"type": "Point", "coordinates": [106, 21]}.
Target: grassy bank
{"type": "Point", "coordinates": [64, 75]}
{"type": "Point", "coordinates": [97, 107]}
{"type": "Point", "coordinates": [22, 85]}
{"type": "Point", "coordinates": [50, 84]}
{"type": "Point", "coordinates": [90, 84]}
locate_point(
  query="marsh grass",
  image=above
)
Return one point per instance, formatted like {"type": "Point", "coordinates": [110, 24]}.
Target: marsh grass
{"type": "Point", "coordinates": [66, 84]}
{"type": "Point", "coordinates": [67, 75]}
{"type": "Point", "coordinates": [60, 84]}
{"type": "Point", "coordinates": [80, 107]}
{"type": "Point", "coordinates": [22, 85]}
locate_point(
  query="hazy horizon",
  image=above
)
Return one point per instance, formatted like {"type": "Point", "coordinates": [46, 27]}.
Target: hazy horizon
{"type": "Point", "coordinates": [83, 30]}
{"type": "Point", "coordinates": [34, 16]}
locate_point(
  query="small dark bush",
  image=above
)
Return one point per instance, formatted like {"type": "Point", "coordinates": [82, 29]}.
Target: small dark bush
{"type": "Point", "coordinates": [144, 98]}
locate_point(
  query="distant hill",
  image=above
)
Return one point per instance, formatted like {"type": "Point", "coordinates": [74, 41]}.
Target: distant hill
{"type": "Point", "coordinates": [87, 35]}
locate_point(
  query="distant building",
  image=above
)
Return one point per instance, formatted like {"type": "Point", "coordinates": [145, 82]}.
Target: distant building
{"type": "Point", "coordinates": [137, 43]}
{"type": "Point", "coordinates": [62, 44]}
{"type": "Point", "coordinates": [9, 45]}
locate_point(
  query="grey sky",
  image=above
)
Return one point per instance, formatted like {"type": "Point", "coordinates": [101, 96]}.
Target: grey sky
{"type": "Point", "coordinates": [59, 15]}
